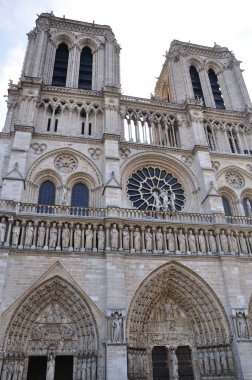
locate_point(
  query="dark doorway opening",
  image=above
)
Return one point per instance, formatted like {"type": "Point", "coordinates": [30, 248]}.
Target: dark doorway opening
{"type": "Point", "coordinates": [160, 363]}
{"type": "Point", "coordinates": [63, 368]}
{"type": "Point", "coordinates": [185, 369]}
{"type": "Point", "coordinates": [37, 368]}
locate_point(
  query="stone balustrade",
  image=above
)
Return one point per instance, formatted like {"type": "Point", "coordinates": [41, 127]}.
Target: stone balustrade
{"type": "Point", "coordinates": [96, 234]}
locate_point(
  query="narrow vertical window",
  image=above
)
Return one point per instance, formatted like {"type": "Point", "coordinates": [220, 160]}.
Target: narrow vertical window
{"type": "Point", "coordinates": [60, 65]}
{"type": "Point", "coordinates": [56, 125]}
{"type": "Point", "coordinates": [226, 205]}
{"type": "Point", "coordinates": [217, 95]}
{"type": "Point", "coordinates": [196, 85]}
{"type": "Point", "coordinates": [89, 129]}
{"type": "Point", "coordinates": [49, 124]}
{"type": "Point", "coordinates": [86, 67]}
{"type": "Point", "coordinates": [82, 128]}
{"type": "Point", "coordinates": [46, 193]}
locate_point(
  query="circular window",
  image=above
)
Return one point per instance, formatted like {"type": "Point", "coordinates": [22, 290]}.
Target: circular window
{"type": "Point", "coordinates": [66, 163]}
{"type": "Point", "coordinates": [155, 189]}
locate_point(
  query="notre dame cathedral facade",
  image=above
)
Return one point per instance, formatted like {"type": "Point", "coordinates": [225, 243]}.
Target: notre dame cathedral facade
{"type": "Point", "coordinates": [126, 223]}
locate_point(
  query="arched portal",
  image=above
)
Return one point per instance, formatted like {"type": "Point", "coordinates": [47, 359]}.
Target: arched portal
{"type": "Point", "coordinates": [52, 326]}
{"type": "Point", "coordinates": [175, 309]}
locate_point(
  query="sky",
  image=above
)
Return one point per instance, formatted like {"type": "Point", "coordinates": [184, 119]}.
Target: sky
{"type": "Point", "coordinates": [144, 29]}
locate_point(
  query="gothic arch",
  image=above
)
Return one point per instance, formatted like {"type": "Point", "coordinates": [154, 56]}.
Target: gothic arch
{"type": "Point", "coordinates": [69, 298]}
{"type": "Point", "coordinates": [92, 43]}
{"type": "Point", "coordinates": [214, 66]}
{"type": "Point", "coordinates": [196, 63]}
{"type": "Point", "coordinates": [163, 161]}
{"type": "Point", "coordinates": [63, 38]}
{"type": "Point", "coordinates": [193, 295]}
{"type": "Point", "coordinates": [237, 169]}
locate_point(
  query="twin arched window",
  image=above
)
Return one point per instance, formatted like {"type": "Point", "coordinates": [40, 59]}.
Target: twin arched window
{"type": "Point", "coordinates": [213, 79]}
{"type": "Point", "coordinates": [79, 195]}
{"type": "Point", "coordinates": [61, 66]}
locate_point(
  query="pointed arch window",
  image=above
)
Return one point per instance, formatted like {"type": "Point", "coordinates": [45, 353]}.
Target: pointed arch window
{"type": "Point", "coordinates": [46, 193]}
{"type": "Point", "coordinates": [217, 95]}
{"type": "Point", "coordinates": [226, 205]}
{"type": "Point", "coordinates": [197, 89]}
{"type": "Point", "coordinates": [60, 65]}
{"type": "Point", "coordinates": [247, 205]}
{"type": "Point", "coordinates": [86, 69]}
{"type": "Point", "coordinates": [80, 195]}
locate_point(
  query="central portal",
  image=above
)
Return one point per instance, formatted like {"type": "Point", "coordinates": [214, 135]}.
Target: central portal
{"type": "Point", "coordinates": [38, 368]}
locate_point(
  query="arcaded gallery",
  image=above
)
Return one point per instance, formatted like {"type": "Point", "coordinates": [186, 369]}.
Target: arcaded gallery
{"type": "Point", "coordinates": [126, 223]}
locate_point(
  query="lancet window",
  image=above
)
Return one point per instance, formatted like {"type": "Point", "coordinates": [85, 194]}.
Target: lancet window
{"type": "Point", "coordinates": [216, 90]}
{"type": "Point", "coordinates": [60, 65]}
{"type": "Point", "coordinates": [226, 205]}
{"type": "Point", "coordinates": [247, 205]}
{"type": "Point", "coordinates": [86, 67]}
{"type": "Point", "coordinates": [197, 89]}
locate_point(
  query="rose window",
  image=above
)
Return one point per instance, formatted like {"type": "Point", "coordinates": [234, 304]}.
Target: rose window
{"type": "Point", "coordinates": [155, 189]}
{"type": "Point", "coordinates": [66, 163]}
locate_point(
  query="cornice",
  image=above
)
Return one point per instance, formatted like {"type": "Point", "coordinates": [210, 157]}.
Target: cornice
{"type": "Point", "coordinates": [65, 138]}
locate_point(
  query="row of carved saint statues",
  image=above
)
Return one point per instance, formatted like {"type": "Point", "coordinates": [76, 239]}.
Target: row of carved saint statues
{"type": "Point", "coordinates": [97, 237]}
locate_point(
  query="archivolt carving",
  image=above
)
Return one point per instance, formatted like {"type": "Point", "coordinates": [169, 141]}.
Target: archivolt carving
{"type": "Point", "coordinates": [192, 295]}
{"type": "Point", "coordinates": [62, 296]}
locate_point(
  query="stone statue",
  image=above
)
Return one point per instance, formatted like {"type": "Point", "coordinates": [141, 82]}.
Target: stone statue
{"type": "Point", "coordinates": [2, 231]}
{"type": "Point", "coordinates": [243, 244]}
{"type": "Point", "coordinates": [192, 242]}
{"type": "Point", "coordinates": [101, 238]}
{"type": "Point", "coordinates": [15, 233]}
{"type": "Point", "coordinates": [53, 236]}
{"type": "Point", "coordinates": [174, 365]}
{"type": "Point", "coordinates": [250, 240]}
{"type": "Point", "coordinates": [114, 237]}
{"type": "Point", "coordinates": [28, 235]}
{"type": "Point", "coordinates": [148, 239]}
{"type": "Point", "coordinates": [41, 235]}
{"type": "Point", "coordinates": [137, 239]}
{"type": "Point", "coordinates": [159, 240]}
{"type": "Point", "coordinates": [116, 327]}
{"type": "Point", "coordinates": [212, 362]}
{"type": "Point", "coordinates": [201, 362]}
{"type": "Point", "coordinates": [202, 242]}
{"type": "Point", "coordinates": [212, 242]}
{"type": "Point", "coordinates": [206, 363]}
{"type": "Point", "coordinates": [224, 242]}
{"type": "Point", "coordinates": [217, 360]}
{"type": "Point", "coordinates": [170, 241]}
{"type": "Point", "coordinates": [89, 237]}
{"type": "Point", "coordinates": [223, 361]}
{"type": "Point", "coordinates": [50, 367]}
{"type": "Point", "coordinates": [156, 203]}
{"type": "Point", "coordinates": [249, 208]}
{"type": "Point", "coordinates": [172, 201]}
{"type": "Point", "coordinates": [64, 195]}
{"type": "Point", "coordinates": [234, 245]}
{"type": "Point", "coordinates": [65, 236]}
{"type": "Point", "coordinates": [77, 238]}
{"type": "Point", "coordinates": [126, 238]}
{"type": "Point", "coordinates": [181, 241]}
{"type": "Point", "coordinates": [165, 197]}
{"type": "Point", "coordinates": [241, 324]}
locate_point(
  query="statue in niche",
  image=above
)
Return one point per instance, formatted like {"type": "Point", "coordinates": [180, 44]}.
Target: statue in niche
{"type": "Point", "coordinates": [181, 241]}
{"type": "Point", "coordinates": [89, 237]}
{"type": "Point", "coordinates": [202, 242]}
{"type": "Point", "coordinates": [206, 363]}
{"type": "Point", "coordinates": [243, 244]}
{"type": "Point", "coordinates": [223, 360]}
{"type": "Point", "coordinates": [174, 365]}
{"type": "Point", "coordinates": [28, 235]}
{"type": "Point", "coordinates": [157, 202]}
{"type": "Point", "coordinates": [50, 367]}
{"type": "Point", "coordinates": [53, 236]}
{"type": "Point", "coordinates": [212, 242]}
{"type": "Point", "coordinates": [224, 242]}
{"type": "Point", "coordinates": [2, 231]}
{"type": "Point", "coordinates": [15, 233]}
{"type": "Point", "coordinates": [241, 324]}
{"type": "Point", "coordinates": [114, 237]}
{"type": "Point", "coordinates": [148, 239]}
{"type": "Point", "coordinates": [126, 238]}
{"type": "Point", "coordinates": [170, 241]}
{"type": "Point", "coordinates": [217, 360]}
{"type": "Point", "coordinates": [201, 362]}
{"type": "Point", "coordinates": [65, 236]}
{"type": "Point", "coordinates": [137, 239]}
{"type": "Point", "coordinates": [212, 362]}
{"type": "Point", "coordinates": [41, 235]}
{"type": "Point", "coordinates": [101, 238]}
{"type": "Point", "coordinates": [192, 242]}
{"type": "Point", "coordinates": [159, 239]}
{"type": "Point", "coordinates": [234, 245]}
{"type": "Point", "coordinates": [116, 327]}
{"type": "Point", "coordinates": [77, 238]}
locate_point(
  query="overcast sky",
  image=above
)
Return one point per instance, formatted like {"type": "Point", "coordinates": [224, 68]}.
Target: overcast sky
{"type": "Point", "coordinates": [143, 28]}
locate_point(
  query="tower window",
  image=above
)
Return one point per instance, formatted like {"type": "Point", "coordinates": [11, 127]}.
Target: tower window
{"type": "Point", "coordinates": [55, 125]}
{"type": "Point", "coordinates": [197, 89]}
{"type": "Point", "coordinates": [247, 205]}
{"type": "Point", "coordinates": [46, 193]}
{"type": "Point", "coordinates": [80, 195]}
{"type": "Point", "coordinates": [86, 67]}
{"type": "Point", "coordinates": [60, 65]}
{"type": "Point", "coordinates": [49, 124]}
{"type": "Point", "coordinates": [226, 205]}
{"type": "Point", "coordinates": [217, 95]}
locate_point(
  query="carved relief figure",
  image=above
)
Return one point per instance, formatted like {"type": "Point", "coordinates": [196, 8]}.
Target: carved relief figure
{"type": "Point", "coordinates": [28, 235]}
{"type": "Point", "coordinates": [224, 242]}
{"type": "Point", "coordinates": [212, 243]}
{"type": "Point", "coordinates": [41, 235]}
{"type": "Point", "coordinates": [101, 238]}
{"type": "Point", "coordinates": [116, 327]}
{"type": "Point", "coordinates": [159, 240]}
{"type": "Point", "coordinates": [137, 239]}
{"type": "Point", "coordinates": [126, 238]}
{"type": "Point", "coordinates": [170, 241]}
{"type": "Point", "coordinates": [15, 233]}
{"type": "Point", "coordinates": [241, 324]}
{"type": "Point", "coordinates": [65, 236]}
{"type": "Point", "coordinates": [181, 241]}
{"type": "Point", "coordinates": [114, 237]}
{"type": "Point", "coordinates": [2, 231]}
{"type": "Point", "coordinates": [148, 239]}
{"type": "Point", "coordinates": [202, 242]}
{"type": "Point", "coordinates": [89, 237]}
{"type": "Point", "coordinates": [53, 236]}
{"type": "Point", "coordinates": [157, 203]}
{"type": "Point", "coordinates": [77, 237]}
{"type": "Point", "coordinates": [192, 242]}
